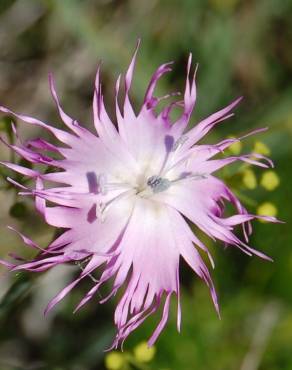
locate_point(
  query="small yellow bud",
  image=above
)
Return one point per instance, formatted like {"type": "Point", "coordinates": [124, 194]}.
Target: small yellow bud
{"type": "Point", "coordinates": [115, 361]}
{"type": "Point", "coordinates": [261, 148]}
{"type": "Point", "coordinates": [267, 209]}
{"type": "Point", "coordinates": [236, 147]}
{"type": "Point", "coordinates": [270, 180]}
{"type": "Point", "coordinates": [143, 353]}
{"type": "Point", "coordinates": [249, 179]}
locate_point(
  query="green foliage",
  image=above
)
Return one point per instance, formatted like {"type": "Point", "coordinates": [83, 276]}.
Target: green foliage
{"type": "Point", "coordinates": [18, 210]}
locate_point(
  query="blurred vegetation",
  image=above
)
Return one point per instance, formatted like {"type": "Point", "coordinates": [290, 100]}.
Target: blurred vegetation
{"type": "Point", "coordinates": [243, 48]}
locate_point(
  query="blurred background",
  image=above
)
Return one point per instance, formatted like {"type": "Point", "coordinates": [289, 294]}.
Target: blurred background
{"type": "Point", "coordinates": [243, 47]}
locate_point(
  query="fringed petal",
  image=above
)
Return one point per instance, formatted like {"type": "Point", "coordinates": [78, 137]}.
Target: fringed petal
{"type": "Point", "coordinates": [123, 197]}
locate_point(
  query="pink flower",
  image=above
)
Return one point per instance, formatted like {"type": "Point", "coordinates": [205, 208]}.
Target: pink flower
{"type": "Point", "coordinates": [124, 197]}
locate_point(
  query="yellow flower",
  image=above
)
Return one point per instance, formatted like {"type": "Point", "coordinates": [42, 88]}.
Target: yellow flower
{"type": "Point", "coordinates": [236, 147]}
{"type": "Point", "coordinates": [143, 353]}
{"type": "Point", "coordinates": [267, 209]}
{"type": "Point", "coordinates": [115, 361]}
{"type": "Point", "coordinates": [270, 180]}
{"type": "Point", "coordinates": [261, 148]}
{"type": "Point", "coordinates": [249, 179]}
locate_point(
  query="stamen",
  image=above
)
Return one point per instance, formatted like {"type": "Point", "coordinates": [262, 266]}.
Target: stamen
{"type": "Point", "coordinates": [179, 142]}
{"type": "Point", "coordinates": [181, 161]}
{"type": "Point", "coordinates": [193, 176]}
{"type": "Point", "coordinates": [158, 184]}
{"type": "Point", "coordinates": [190, 176]}
{"type": "Point", "coordinates": [171, 146]}
{"type": "Point", "coordinates": [102, 183]}
{"type": "Point", "coordinates": [117, 186]}
{"type": "Point", "coordinates": [104, 207]}
{"type": "Point", "coordinates": [79, 264]}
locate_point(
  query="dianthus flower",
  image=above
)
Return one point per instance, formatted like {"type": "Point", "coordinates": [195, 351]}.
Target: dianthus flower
{"type": "Point", "coordinates": [126, 196]}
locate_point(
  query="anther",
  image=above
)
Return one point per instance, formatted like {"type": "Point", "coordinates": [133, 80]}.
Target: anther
{"type": "Point", "coordinates": [158, 184]}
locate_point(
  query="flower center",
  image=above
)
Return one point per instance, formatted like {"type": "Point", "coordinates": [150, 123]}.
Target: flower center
{"type": "Point", "coordinates": [158, 184]}
{"type": "Point", "coordinates": [110, 192]}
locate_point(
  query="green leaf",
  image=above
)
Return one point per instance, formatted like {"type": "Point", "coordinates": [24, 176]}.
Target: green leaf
{"type": "Point", "coordinates": [6, 126]}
